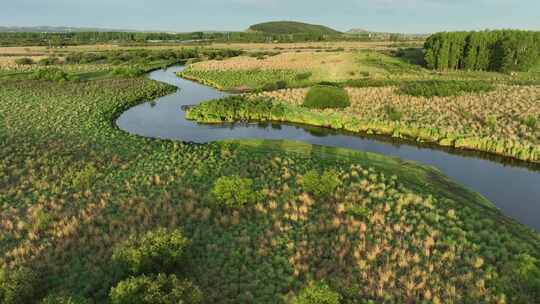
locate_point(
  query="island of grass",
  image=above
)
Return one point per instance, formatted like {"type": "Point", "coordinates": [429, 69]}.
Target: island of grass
{"type": "Point", "coordinates": [91, 214]}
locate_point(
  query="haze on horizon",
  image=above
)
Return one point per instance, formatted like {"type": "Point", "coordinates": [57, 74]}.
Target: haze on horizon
{"type": "Point", "coordinates": [411, 16]}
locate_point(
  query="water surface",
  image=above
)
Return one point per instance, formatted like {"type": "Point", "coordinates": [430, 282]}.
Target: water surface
{"type": "Point", "coordinates": [513, 188]}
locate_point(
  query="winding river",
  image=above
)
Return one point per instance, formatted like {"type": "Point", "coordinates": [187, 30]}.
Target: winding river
{"type": "Point", "coordinates": [512, 187]}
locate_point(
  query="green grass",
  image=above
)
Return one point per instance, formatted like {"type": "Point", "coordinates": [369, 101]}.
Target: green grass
{"type": "Point", "coordinates": [434, 88]}
{"type": "Point", "coordinates": [73, 186]}
{"type": "Point", "coordinates": [243, 80]}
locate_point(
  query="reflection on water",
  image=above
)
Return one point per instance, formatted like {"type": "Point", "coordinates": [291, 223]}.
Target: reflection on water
{"type": "Point", "coordinates": [514, 186]}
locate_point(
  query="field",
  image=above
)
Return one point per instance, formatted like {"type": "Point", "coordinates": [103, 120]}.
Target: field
{"type": "Point", "coordinates": [331, 66]}
{"type": "Point", "coordinates": [503, 122]}
{"type": "Point", "coordinates": [506, 117]}
{"type": "Point", "coordinates": [74, 188]}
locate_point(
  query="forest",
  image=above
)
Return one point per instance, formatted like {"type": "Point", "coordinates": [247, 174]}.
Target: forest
{"type": "Point", "coordinates": [503, 50]}
{"type": "Point", "coordinates": [77, 38]}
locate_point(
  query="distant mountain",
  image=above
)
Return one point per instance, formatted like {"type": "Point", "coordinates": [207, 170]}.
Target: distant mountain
{"type": "Point", "coordinates": [291, 27]}
{"type": "Point", "coordinates": [57, 29]}
{"type": "Point", "coordinates": [357, 31]}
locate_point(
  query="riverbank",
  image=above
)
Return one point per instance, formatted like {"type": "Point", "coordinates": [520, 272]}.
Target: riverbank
{"type": "Point", "coordinates": [374, 117]}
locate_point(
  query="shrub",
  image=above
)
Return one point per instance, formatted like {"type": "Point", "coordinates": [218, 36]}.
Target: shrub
{"type": "Point", "coordinates": [523, 275]}
{"type": "Point", "coordinates": [84, 178]}
{"type": "Point", "coordinates": [366, 83]}
{"type": "Point", "coordinates": [530, 121]}
{"type": "Point", "coordinates": [320, 185]}
{"type": "Point", "coordinates": [128, 72]}
{"type": "Point", "coordinates": [281, 84]}
{"type": "Point", "coordinates": [160, 289]}
{"type": "Point", "coordinates": [78, 58]}
{"type": "Point", "coordinates": [329, 84]}
{"type": "Point", "coordinates": [432, 88]}
{"type": "Point", "coordinates": [317, 293]}
{"type": "Point", "coordinates": [50, 74]}
{"type": "Point", "coordinates": [156, 251]}
{"type": "Point", "coordinates": [392, 113]}
{"type": "Point", "coordinates": [233, 191]}
{"type": "Point", "coordinates": [278, 85]}
{"type": "Point", "coordinates": [325, 97]}
{"type": "Point", "coordinates": [49, 61]}
{"type": "Point", "coordinates": [18, 286]}
{"type": "Point", "coordinates": [303, 76]}
{"type": "Point", "coordinates": [24, 61]}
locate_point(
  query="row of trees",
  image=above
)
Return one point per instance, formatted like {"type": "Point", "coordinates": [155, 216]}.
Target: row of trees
{"type": "Point", "coordinates": [503, 50]}
{"type": "Point", "coordinates": [76, 38]}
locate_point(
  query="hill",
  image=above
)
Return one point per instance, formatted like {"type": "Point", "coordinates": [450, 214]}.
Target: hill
{"type": "Point", "coordinates": [357, 31]}
{"type": "Point", "coordinates": [291, 27]}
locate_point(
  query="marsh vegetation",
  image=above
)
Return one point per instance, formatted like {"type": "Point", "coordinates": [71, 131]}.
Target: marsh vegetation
{"type": "Point", "coordinates": [91, 214]}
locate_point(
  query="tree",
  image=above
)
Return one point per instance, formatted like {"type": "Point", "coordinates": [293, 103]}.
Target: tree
{"type": "Point", "coordinates": [508, 50]}
{"type": "Point", "coordinates": [320, 185]}
{"type": "Point", "coordinates": [156, 251]}
{"type": "Point", "coordinates": [317, 293]}
{"type": "Point", "coordinates": [233, 191]}
{"type": "Point", "coordinates": [160, 289]}
{"type": "Point", "coordinates": [18, 286]}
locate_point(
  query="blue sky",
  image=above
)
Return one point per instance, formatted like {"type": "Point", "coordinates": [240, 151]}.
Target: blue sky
{"type": "Point", "coordinates": [414, 16]}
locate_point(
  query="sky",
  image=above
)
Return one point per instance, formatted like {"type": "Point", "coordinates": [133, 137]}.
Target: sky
{"type": "Point", "coordinates": [407, 16]}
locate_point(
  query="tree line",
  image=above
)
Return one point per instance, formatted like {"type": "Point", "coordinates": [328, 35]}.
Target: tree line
{"type": "Point", "coordinates": [77, 38]}
{"type": "Point", "coordinates": [501, 50]}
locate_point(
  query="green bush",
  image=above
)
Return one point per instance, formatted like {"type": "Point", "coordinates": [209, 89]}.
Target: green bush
{"type": "Point", "coordinates": [317, 293]}
{"type": "Point", "coordinates": [128, 71]}
{"type": "Point", "coordinates": [327, 97]}
{"type": "Point", "coordinates": [393, 113]}
{"type": "Point", "coordinates": [278, 85]}
{"type": "Point", "coordinates": [49, 61]}
{"type": "Point", "coordinates": [160, 289]}
{"type": "Point", "coordinates": [18, 286]}
{"type": "Point", "coordinates": [433, 88]}
{"type": "Point", "coordinates": [303, 76]}
{"type": "Point", "coordinates": [156, 251]}
{"type": "Point", "coordinates": [366, 83]}
{"type": "Point", "coordinates": [24, 61]}
{"type": "Point", "coordinates": [233, 191]}
{"type": "Point", "coordinates": [523, 275]}
{"type": "Point", "coordinates": [50, 74]}
{"type": "Point", "coordinates": [320, 185]}
{"type": "Point", "coordinates": [530, 121]}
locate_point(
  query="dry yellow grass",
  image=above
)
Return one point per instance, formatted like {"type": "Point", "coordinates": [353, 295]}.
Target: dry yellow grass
{"type": "Point", "coordinates": [8, 62]}
{"type": "Point", "coordinates": [327, 66]}
{"type": "Point", "coordinates": [285, 47]}
{"type": "Point", "coordinates": [500, 114]}
{"type": "Point", "coordinates": [348, 45]}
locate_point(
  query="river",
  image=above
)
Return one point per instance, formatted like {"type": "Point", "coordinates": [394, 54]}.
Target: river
{"type": "Point", "coordinates": [514, 187]}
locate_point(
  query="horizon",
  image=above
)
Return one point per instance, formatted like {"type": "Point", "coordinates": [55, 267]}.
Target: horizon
{"type": "Point", "coordinates": [238, 15]}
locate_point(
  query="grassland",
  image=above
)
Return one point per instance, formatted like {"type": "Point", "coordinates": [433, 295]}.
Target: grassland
{"type": "Point", "coordinates": [73, 187]}
{"type": "Point", "coordinates": [335, 66]}
{"type": "Point", "coordinates": [503, 122]}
